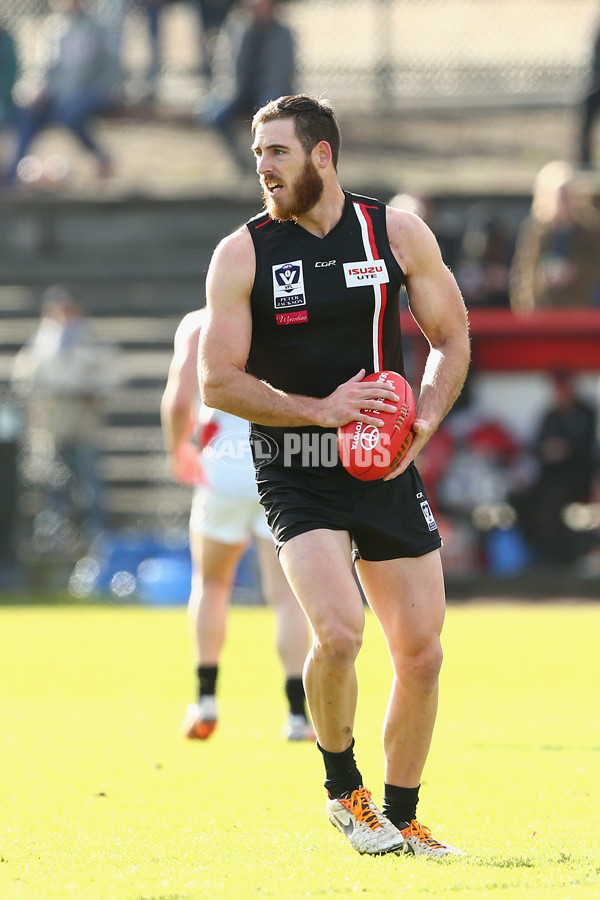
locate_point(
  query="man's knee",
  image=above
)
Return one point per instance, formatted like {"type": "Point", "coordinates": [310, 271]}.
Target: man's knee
{"type": "Point", "coordinates": [423, 665]}
{"type": "Point", "coordinates": [338, 642]}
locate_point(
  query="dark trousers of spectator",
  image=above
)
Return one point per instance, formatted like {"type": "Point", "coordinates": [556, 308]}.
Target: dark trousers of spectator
{"type": "Point", "coordinates": [212, 14]}
{"type": "Point", "coordinates": [74, 112]}
{"type": "Point", "coordinates": [77, 493]}
{"type": "Point", "coordinates": [224, 121]}
{"type": "Point", "coordinates": [7, 122]}
{"type": "Point", "coordinates": [154, 22]}
{"type": "Point", "coordinates": [589, 110]}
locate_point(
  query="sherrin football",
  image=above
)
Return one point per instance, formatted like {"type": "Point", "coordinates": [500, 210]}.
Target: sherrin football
{"type": "Point", "coordinates": [368, 452]}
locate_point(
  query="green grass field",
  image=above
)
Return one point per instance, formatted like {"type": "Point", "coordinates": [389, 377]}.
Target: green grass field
{"type": "Point", "coordinates": [101, 798]}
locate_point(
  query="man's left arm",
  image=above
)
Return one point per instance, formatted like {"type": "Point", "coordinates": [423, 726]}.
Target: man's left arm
{"type": "Point", "coordinates": [438, 308]}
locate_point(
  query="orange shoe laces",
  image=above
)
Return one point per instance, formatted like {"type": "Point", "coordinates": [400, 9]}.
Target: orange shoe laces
{"type": "Point", "coordinates": [422, 832]}
{"type": "Point", "coordinates": [362, 808]}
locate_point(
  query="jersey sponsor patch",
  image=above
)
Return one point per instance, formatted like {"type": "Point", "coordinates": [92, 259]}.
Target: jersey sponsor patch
{"type": "Point", "coordinates": [288, 285]}
{"type": "Point", "coordinates": [370, 271]}
{"type": "Point", "coordinates": [292, 318]}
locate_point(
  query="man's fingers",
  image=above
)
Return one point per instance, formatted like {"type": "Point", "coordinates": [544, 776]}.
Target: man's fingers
{"type": "Point", "coordinates": [385, 401]}
{"type": "Point", "coordinates": [368, 420]}
{"type": "Point", "coordinates": [420, 438]}
{"type": "Point", "coordinates": [358, 377]}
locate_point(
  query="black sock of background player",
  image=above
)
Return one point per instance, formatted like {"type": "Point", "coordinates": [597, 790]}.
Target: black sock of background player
{"type": "Point", "coordinates": [207, 680]}
{"type": "Point", "coordinates": [294, 691]}
{"type": "Point", "coordinates": [400, 804]}
{"type": "Point", "coordinates": [341, 772]}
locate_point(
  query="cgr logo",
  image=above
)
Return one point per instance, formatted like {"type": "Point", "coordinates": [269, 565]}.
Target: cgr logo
{"type": "Point", "coordinates": [323, 265]}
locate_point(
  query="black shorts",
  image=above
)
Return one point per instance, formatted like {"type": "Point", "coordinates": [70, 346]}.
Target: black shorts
{"type": "Point", "coordinates": [385, 519]}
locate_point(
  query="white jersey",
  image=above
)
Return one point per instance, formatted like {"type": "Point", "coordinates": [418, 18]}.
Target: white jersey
{"type": "Point", "coordinates": [226, 455]}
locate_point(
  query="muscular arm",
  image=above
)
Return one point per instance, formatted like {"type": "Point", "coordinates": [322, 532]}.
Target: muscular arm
{"type": "Point", "coordinates": [225, 346]}
{"type": "Point", "coordinates": [177, 406]}
{"type": "Point", "coordinates": [438, 308]}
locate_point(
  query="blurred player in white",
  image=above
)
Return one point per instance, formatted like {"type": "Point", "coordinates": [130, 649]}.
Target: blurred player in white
{"type": "Point", "coordinates": [225, 516]}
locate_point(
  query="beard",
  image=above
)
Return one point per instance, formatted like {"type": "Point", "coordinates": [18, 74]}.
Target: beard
{"type": "Point", "coordinates": [306, 193]}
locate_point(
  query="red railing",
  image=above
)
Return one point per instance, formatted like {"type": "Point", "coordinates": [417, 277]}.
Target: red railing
{"type": "Point", "coordinates": [538, 341]}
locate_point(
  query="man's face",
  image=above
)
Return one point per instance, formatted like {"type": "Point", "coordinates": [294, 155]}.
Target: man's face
{"type": "Point", "coordinates": [290, 181]}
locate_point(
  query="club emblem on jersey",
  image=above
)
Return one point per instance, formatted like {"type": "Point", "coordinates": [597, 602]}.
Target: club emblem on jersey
{"type": "Point", "coordinates": [369, 271]}
{"type": "Point", "coordinates": [288, 285]}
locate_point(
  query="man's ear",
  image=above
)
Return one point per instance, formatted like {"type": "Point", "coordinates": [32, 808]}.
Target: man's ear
{"type": "Point", "coordinates": [322, 154]}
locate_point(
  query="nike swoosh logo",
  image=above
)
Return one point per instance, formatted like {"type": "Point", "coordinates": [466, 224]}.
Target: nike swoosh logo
{"type": "Point", "coordinates": [346, 826]}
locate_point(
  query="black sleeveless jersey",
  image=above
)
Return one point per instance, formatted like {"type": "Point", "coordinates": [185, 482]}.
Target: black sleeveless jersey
{"type": "Point", "coordinates": [322, 309]}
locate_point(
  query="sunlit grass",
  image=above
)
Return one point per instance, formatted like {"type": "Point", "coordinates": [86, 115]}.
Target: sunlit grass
{"type": "Point", "coordinates": [101, 798]}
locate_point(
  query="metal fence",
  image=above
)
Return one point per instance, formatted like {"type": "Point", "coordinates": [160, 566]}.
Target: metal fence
{"type": "Point", "coordinates": [360, 52]}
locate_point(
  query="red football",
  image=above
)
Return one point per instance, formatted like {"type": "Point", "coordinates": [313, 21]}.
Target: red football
{"type": "Point", "coordinates": [369, 452]}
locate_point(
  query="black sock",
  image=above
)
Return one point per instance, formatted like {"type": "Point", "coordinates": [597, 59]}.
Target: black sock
{"type": "Point", "coordinates": [341, 772]}
{"type": "Point", "coordinates": [400, 804]}
{"type": "Point", "coordinates": [207, 680]}
{"type": "Point", "coordinates": [294, 691]}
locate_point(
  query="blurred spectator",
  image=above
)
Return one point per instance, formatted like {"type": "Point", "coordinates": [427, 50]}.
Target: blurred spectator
{"type": "Point", "coordinates": [478, 471]}
{"type": "Point", "coordinates": [590, 106]}
{"type": "Point", "coordinates": [485, 257]}
{"type": "Point", "coordinates": [153, 13]}
{"type": "Point", "coordinates": [473, 467]}
{"type": "Point", "coordinates": [212, 14]}
{"type": "Point", "coordinates": [62, 371]}
{"type": "Point", "coordinates": [565, 449]}
{"type": "Point", "coordinates": [8, 76]}
{"type": "Point", "coordinates": [254, 63]}
{"type": "Point", "coordinates": [8, 73]}
{"type": "Point", "coordinates": [112, 16]}
{"type": "Point", "coordinates": [81, 81]}
{"type": "Point", "coordinates": [557, 257]}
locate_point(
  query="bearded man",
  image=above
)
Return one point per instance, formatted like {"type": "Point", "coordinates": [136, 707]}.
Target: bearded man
{"type": "Point", "coordinates": [292, 330]}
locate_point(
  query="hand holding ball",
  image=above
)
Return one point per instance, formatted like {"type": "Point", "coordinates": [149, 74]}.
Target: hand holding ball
{"type": "Point", "coordinates": [369, 452]}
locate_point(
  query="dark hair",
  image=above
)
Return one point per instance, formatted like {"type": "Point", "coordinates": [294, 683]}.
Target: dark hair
{"type": "Point", "coordinates": [314, 121]}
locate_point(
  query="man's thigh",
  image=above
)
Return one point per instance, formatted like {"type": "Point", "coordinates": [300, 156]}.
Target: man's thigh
{"type": "Point", "coordinates": [318, 566]}
{"type": "Point", "coordinates": [408, 597]}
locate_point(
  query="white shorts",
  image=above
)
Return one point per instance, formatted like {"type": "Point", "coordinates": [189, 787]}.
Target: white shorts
{"type": "Point", "coordinates": [227, 519]}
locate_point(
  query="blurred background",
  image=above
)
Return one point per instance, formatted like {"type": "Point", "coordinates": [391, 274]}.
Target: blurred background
{"type": "Point", "coordinates": [123, 161]}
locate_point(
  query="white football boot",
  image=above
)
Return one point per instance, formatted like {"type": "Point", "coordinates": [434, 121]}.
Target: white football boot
{"type": "Point", "coordinates": [298, 728]}
{"type": "Point", "coordinates": [200, 719]}
{"type": "Point", "coordinates": [418, 841]}
{"type": "Point", "coordinates": [365, 826]}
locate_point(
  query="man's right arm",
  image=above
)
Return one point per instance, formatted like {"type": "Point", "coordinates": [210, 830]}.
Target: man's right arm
{"type": "Point", "coordinates": [177, 407]}
{"type": "Point", "coordinates": [225, 346]}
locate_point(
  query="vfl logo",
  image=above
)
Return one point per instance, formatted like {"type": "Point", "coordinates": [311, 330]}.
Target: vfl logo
{"type": "Point", "coordinates": [429, 518]}
{"type": "Point", "coordinates": [373, 271]}
{"type": "Point", "coordinates": [287, 276]}
{"type": "Point", "coordinates": [288, 285]}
